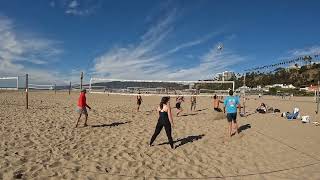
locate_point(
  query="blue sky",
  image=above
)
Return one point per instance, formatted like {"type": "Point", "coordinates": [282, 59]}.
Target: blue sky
{"type": "Point", "coordinates": [54, 40]}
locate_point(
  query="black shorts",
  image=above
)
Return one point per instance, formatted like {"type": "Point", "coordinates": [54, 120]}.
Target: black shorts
{"type": "Point", "coordinates": [232, 117]}
{"type": "Point", "coordinates": [178, 105]}
{"type": "Point", "coordinates": [217, 109]}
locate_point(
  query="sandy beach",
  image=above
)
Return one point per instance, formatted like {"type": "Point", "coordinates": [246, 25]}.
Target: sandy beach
{"type": "Point", "coordinates": [42, 143]}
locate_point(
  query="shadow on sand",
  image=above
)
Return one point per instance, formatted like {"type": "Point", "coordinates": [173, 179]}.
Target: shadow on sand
{"type": "Point", "coordinates": [111, 125]}
{"type": "Point", "coordinates": [201, 110]}
{"type": "Point", "coordinates": [191, 114]}
{"type": "Point", "coordinates": [244, 127]}
{"type": "Point", "coordinates": [249, 114]}
{"type": "Point", "coordinates": [186, 140]}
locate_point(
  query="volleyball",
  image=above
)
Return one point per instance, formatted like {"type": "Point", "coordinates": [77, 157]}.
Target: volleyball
{"type": "Point", "coordinates": [220, 47]}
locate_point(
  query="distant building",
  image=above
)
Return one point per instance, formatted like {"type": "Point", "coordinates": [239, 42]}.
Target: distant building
{"type": "Point", "coordinates": [283, 86]}
{"type": "Point", "coordinates": [310, 88]}
{"type": "Point", "coordinates": [290, 86]}
{"type": "Point", "coordinates": [293, 67]}
{"type": "Point", "coordinates": [224, 76]}
{"type": "Point", "coordinates": [228, 75]}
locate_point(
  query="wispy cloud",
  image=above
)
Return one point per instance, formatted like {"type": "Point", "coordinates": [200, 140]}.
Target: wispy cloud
{"type": "Point", "coordinates": [211, 63]}
{"type": "Point", "coordinates": [305, 51]}
{"type": "Point", "coordinates": [193, 43]}
{"type": "Point", "coordinates": [16, 52]}
{"type": "Point", "coordinates": [145, 60]}
{"type": "Point", "coordinates": [77, 7]}
{"type": "Point", "coordinates": [52, 4]}
{"type": "Point", "coordinates": [73, 4]}
{"type": "Point", "coordinates": [123, 62]}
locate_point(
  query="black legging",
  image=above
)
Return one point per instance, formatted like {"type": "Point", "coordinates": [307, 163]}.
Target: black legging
{"type": "Point", "coordinates": [167, 127]}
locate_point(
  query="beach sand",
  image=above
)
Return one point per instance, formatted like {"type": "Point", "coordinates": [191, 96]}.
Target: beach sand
{"type": "Point", "coordinates": [42, 143]}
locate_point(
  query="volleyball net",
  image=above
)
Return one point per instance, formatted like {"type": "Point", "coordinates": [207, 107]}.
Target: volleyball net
{"type": "Point", "coordinates": [9, 83]}
{"type": "Point", "coordinates": [159, 87]}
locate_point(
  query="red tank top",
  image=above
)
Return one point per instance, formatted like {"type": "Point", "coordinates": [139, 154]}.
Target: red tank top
{"type": "Point", "coordinates": [82, 100]}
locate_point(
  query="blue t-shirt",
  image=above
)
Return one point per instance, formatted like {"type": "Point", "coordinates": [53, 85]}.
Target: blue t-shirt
{"type": "Point", "coordinates": [231, 103]}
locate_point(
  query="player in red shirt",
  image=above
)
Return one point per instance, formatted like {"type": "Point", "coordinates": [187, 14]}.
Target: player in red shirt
{"type": "Point", "coordinates": [82, 106]}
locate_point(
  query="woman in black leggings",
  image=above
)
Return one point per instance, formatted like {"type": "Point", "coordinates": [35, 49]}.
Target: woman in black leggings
{"type": "Point", "coordinates": [165, 120]}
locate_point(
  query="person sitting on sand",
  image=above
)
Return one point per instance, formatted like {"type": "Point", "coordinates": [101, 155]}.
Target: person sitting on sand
{"type": "Point", "coordinates": [165, 120]}
{"type": "Point", "coordinates": [216, 103]}
{"type": "Point", "coordinates": [262, 108]}
{"type": "Point", "coordinates": [193, 100]}
{"type": "Point", "coordinates": [82, 106]}
{"type": "Point", "coordinates": [294, 115]}
{"type": "Point", "coordinates": [179, 100]}
{"type": "Point", "coordinates": [231, 103]}
{"type": "Point", "coordinates": [139, 101]}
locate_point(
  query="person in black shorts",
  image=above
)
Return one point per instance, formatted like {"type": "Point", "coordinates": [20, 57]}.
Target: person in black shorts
{"type": "Point", "coordinates": [216, 103]}
{"type": "Point", "coordinates": [179, 100]}
{"type": "Point", "coordinates": [231, 103]}
{"type": "Point", "coordinates": [139, 101]}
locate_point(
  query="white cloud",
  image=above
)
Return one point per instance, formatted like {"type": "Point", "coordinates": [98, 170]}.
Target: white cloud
{"type": "Point", "coordinates": [193, 43]}
{"type": "Point", "coordinates": [212, 62]}
{"type": "Point", "coordinates": [305, 51]}
{"type": "Point", "coordinates": [52, 4]}
{"type": "Point", "coordinates": [16, 52]}
{"type": "Point", "coordinates": [78, 12]}
{"type": "Point", "coordinates": [73, 4]}
{"type": "Point", "coordinates": [137, 60]}
{"type": "Point", "coordinates": [80, 8]}
{"type": "Point", "coordinates": [144, 61]}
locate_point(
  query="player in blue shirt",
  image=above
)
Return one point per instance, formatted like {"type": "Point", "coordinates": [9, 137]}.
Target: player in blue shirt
{"type": "Point", "coordinates": [231, 103]}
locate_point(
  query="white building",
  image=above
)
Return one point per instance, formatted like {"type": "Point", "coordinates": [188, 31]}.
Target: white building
{"type": "Point", "coordinates": [290, 86]}
{"type": "Point", "coordinates": [225, 76]}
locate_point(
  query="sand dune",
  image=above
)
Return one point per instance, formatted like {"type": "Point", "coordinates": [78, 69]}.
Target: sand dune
{"type": "Point", "coordinates": [42, 143]}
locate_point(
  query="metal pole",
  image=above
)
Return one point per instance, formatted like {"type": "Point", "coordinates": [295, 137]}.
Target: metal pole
{"type": "Point", "coordinates": [222, 76]}
{"type": "Point", "coordinates": [18, 83]}
{"type": "Point", "coordinates": [81, 78]}
{"type": "Point", "coordinates": [317, 99]}
{"type": "Point", "coordinates": [90, 85]}
{"type": "Point", "coordinates": [27, 89]}
{"type": "Point", "coordinates": [70, 88]}
{"type": "Point", "coordinates": [244, 94]}
{"type": "Point", "coordinates": [55, 89]}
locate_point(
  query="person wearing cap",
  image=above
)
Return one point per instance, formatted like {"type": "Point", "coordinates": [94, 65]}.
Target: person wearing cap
{"type": "Point", "coordinates": [82, 107]}
{"type": "Point", "coordinates": [231, 103]}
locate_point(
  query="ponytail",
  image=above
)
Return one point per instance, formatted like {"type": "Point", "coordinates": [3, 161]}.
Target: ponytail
{"type": "Point", "coordinates": [164, 100]}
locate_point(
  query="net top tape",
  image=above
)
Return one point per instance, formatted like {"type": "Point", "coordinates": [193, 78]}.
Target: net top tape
{"type": "Point", "coordinates": [8, 77]}
{"type": "Point", "coordinates": [160, 81]}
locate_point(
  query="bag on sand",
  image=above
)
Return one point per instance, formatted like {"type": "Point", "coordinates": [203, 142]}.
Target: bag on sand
{"type": "Point", "coordinates": [284, 114]}
{"type": "Point", "coordinates": [276, 110]}
{"type": "Point", "coordinates": [305, 119]}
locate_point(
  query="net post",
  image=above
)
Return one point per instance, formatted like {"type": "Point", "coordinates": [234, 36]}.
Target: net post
{"type": "Point", "coordinates": [27, 89]}
{"type": "Point", "coordinates": [81, 78]}
{"type": "Point", "coordinates": [244, 94]}
{"type": "Point", "coordinates": [55, 89]}
{"type": "Point", "coordinates": [17, 82]}
{"type": "Point", "coordinates": [90, 84]}
{"type": "Point", "coordinates": [69, 87]}
{"type": "Point", "coordinates": [317, 99]}
{"type": "Point", "coordinates": [233, 84]}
